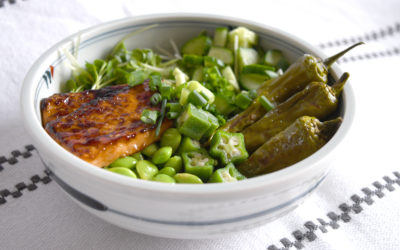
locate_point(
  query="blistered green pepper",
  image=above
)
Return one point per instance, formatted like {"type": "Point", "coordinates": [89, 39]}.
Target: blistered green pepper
{"type": "Point", "coordinates": [228, 147]}
{"type": "Point", "coordinates": [198, 163]}
{"type": "Point", "coordinates": [226, 174]}
{"type": "Point", "coordinates": [317, 99]}
{"type": "Point", "coordinates": [306, 69]}
{"type": "Point", "coordinates": [301, 139]}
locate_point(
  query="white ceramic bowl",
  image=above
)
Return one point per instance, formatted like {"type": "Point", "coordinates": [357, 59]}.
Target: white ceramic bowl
{"type": "Point", "coordinates": [175, 211]}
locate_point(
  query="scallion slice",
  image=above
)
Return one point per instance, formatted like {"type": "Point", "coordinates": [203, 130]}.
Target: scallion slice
{"type": "Point", "coordinates": [149, 116]}
{"type": "Point", "coordinates": [266, 103]}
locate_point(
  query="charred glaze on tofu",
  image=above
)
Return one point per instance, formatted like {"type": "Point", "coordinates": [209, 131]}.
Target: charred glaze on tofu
{"type": "Point", "coordinates": [100, 126]}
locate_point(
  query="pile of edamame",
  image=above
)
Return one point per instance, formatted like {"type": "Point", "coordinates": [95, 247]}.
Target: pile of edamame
{"type": "Point", "coordinates": [175, 159]}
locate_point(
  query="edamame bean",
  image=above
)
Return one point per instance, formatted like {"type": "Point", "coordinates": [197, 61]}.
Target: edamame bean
{"type": "Point", "coordinates": [168, 171]}
{"type": "Point", "coordinates": [187, 178]}
{"type": "Point", "coordinates": [138, 156]}
{"type": "Point", "coordinates": [174, 162]}
{"type": "Point", "coordinates": [150, 150]}
{"type": "Point", "coordinates": [163, 178]}
{"type": "Point", "coordinates": [134, 170]}
{"type": "Point", "coordinates": [146, 169]}
{"type": "Point", "coordinates": [124, 162]}
{"type": "Point", "coordinates": [123, 171]}
{"type": "Point", "coordinates": [172, 138]}
{"type": "Point", "coordinates": [162, 155]}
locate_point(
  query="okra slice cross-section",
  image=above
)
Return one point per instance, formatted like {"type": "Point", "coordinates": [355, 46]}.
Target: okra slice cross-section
{"type": "Point", "coordinates": [228, 147]}
{"type": "Point", "coordinates": [226, 174]}
{"type": "Point", "coordinates": [198, 163]}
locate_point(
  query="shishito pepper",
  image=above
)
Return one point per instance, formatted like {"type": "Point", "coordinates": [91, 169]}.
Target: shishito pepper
{"type": "Point", "coordinates": [317, 99]}
{"type": "Point", "coordinates": [226, 174]}
{"type": "Point", "coordinates": [228, 147]}
{"type": "Point", "coordinates": [301, 139]}
{"type": "Point", "coordinates": [198, 163]}
{"type": "Point", "coordinates": [306, 69]}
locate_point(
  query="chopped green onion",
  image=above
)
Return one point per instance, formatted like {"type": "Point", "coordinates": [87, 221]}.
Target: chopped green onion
{"type": "Point", "coordinates": [155, 99]}
{"type": "Point", "coordinates": [266, 103]}
{"type": "Point", "coordinates": [197, 99]}
{"type": "Point", "coordinates": [172, 115]}
{"type": "Point", "coordinates": [155, 82]}
{"type": "Point", "coordinates": [174, 107]}
{"type": "Point", "coordinates": [210, 108]}
{"type": "Point", "coordinates": [166, 90]}
{"type": "Point", "coordinates": [183, 97]}
{"type": "Point", "coordinates": [195, 85]}
{"type": "Point", "coordinates": [205, 96]}
{"type": "Point", "coordinates": [221, 120]}
{"type": "Point", "coordinates": [243, 100]}
{"type": "Point", "coordinates": [179, 76]}
{"type": "Point", "coordinates": [163, 106]}
{"type": "Point", "coordinates": [149, 116]}
{"type": "Point", "coordinates": [177, 91]}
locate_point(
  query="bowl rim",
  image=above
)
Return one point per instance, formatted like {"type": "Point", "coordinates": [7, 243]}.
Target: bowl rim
{"type": "Point", "coordinates": [44, 141]}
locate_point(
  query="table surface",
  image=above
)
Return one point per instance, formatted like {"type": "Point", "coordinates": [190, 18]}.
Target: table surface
{"type": "Point", "coordinates": [357, 206]}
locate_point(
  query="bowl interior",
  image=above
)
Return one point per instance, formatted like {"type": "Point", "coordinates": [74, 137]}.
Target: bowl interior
{"type": "Point", "coordinates": [51, 71]}
{"type": "Point", "coordinates": [97, 43]}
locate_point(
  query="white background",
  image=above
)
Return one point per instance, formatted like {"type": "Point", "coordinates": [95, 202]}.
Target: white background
{"type": "Point", "coordinates": [47, 219]}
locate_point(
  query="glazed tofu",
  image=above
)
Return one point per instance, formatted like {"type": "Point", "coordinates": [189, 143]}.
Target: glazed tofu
{"type": "Point", "coordinates": [100, 126]}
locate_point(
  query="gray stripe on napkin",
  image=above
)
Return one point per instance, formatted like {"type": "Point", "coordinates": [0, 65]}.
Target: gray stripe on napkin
{"type": "Point", "coordinates": [343, 216]}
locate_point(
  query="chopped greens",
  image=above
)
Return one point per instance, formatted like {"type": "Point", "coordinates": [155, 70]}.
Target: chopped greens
{"type": "Point", "coordinates": [208, 72]}
{"type": "Point", "coordinates": [149, 116]}
{"type": "Point", "coordinates": [200, 85]}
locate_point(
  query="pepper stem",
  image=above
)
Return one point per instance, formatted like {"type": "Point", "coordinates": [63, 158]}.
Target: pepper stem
{"type": "Point", "coordinates": [338, 86]}
{"type": "Point", "coordinates": [330, 60]}
{"type": "Point", "coordinates": [329, 128]}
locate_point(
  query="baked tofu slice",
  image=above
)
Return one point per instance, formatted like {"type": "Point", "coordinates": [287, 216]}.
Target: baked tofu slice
{"type": "Point", "coordinates": [62, 104]}
{"type": "Point", "coordinates": [99, 126]}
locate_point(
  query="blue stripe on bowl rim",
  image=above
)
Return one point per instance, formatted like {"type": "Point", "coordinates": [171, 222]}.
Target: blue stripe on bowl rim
{"type": "Point", "coordinates": [104, 208]}
{"type": "Point", "coordinates": [223, 221]}
{"type": "Point", "coordinates": [167, 24]}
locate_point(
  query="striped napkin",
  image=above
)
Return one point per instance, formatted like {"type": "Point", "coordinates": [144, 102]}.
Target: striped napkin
{"type": "Point", "coordinates": [356, 207]}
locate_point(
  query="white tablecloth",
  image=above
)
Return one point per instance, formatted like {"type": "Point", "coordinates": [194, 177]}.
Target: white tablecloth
{"type": "Point", "coordinates": [357, 206]}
